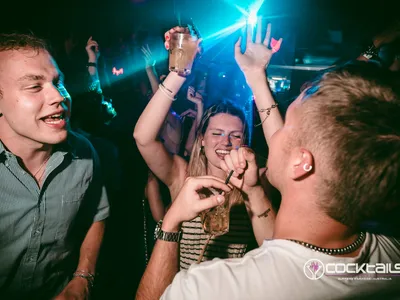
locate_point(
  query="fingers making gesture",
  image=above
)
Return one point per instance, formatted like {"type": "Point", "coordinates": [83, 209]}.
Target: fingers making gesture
{"type": "Point", "coordinates": [92, 49]}
{"type": "Point", "coordinates": [148, 56]}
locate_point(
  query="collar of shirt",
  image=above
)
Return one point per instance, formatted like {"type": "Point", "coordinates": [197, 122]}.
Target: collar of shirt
{"type": "Point", "coordinates": [64, 148]}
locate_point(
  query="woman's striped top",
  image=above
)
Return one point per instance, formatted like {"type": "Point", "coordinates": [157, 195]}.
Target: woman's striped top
{"type": "Point", "coordinates": [234, 244]}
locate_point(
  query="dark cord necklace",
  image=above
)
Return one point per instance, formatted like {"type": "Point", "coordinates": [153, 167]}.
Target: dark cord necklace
{"type": "Point", "coordinates": [335, 251]}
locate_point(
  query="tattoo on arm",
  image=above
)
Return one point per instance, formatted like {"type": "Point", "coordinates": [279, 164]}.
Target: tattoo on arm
{"type": "Point", "coordinates": [264, 214]}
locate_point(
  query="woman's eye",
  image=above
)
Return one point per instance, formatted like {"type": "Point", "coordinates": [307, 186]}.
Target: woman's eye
{"type": "Point", "coordinates": [217, 133]}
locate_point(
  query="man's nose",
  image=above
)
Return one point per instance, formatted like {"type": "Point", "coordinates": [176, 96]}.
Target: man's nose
{"type": "Point", "coordinates": [58, 94]}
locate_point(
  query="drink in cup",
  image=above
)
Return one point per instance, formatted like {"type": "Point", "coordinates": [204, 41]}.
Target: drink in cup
{"type": "Point", "coordinates": [216, 220]}
{"type": "Point", "coordinates": [183, 49]}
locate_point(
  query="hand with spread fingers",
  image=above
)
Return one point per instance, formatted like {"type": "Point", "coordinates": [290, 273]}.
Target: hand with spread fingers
{"type": "Point", "coordinates": [188, 204]}
{"type": "Point", "coordinates": [258, 54]}
{"type": "Point", "coordinates": [243, 163]}
{"type": "Point", "coordinates": [148, 56]}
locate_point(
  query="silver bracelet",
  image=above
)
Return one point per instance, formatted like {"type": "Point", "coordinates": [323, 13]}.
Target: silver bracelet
{"type": "Point", "coordinates": [166, 92]}
{"type": "Point", "coordinates": [86, 275]}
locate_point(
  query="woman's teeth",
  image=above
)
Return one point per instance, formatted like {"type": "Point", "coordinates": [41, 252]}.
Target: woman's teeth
{"type": "Point", "coordinates": [222, 152]}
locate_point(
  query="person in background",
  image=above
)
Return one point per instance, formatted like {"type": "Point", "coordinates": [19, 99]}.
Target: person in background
{"type": "Point", "coordinates": [171, 131]}
{"type": "Point", "coordinates": [195, 96]}
{"type": "Point", "coordinates": [91, 115]}
{"type": "Point", "coordinates": [156, 196]}
{"type": "Point", "coordinates": [385, 48]}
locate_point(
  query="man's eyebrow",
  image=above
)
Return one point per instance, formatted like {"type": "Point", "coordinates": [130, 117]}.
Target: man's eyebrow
{"type": "Point", "coordinates": [32, 77]}
{"type": "Point", "coordinates": [35, 77]}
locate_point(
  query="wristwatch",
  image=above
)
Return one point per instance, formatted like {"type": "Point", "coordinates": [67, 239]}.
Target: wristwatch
{"type": "Point", "coordinates": [371, 53]}
{"type": "Point", "coordinates": [159, 234]}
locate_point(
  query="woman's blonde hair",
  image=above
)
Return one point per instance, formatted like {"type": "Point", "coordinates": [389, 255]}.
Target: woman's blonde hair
{"type": "Point", "coordinates": [198, 160]}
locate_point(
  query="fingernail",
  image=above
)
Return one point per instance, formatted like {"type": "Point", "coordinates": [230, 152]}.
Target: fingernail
{"type": "Point", "coordinates": [242, 164]}
{"type": "Point", "coordinates": [167, 37]}
{"type": "Point", "coordinates": [167, 47]}
{"type": "Point", "coordinates": [220, 199]}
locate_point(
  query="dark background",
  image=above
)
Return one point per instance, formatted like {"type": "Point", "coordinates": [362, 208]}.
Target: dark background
{"type": "Point", "coordinates": [106, 20]}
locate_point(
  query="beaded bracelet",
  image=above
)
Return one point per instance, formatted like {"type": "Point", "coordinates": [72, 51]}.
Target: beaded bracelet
{"type": "Point", "coordinates": [267, 111]}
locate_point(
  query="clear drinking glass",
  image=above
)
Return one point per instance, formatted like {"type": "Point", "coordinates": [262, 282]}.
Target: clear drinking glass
{"type": "Point", "coordinates": [182, 51]}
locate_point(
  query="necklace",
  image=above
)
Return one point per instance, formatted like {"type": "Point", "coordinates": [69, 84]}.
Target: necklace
{"type": "Point", "coordinates": [335, 251]}
{"type": "Point", "coordinates": [41, 166]}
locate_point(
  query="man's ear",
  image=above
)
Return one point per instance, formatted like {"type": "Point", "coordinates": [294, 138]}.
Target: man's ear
{"type": "Point", "coordinates": [302, 163]}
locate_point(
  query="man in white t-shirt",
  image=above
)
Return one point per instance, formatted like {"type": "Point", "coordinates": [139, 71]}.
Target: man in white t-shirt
{"type": "Point", "coordinates": [336, 162]}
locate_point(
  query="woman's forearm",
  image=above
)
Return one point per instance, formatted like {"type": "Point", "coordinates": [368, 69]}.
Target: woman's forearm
{"type": "Point", "coordinates": [264, 100]}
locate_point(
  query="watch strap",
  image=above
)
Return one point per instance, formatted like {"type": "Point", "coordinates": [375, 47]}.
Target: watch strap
{"type": "Point", "coordinates": [167, 236]}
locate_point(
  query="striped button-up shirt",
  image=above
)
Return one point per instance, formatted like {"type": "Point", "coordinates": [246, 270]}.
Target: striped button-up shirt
{"type": "Point", "coordinates": [42, 229]}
